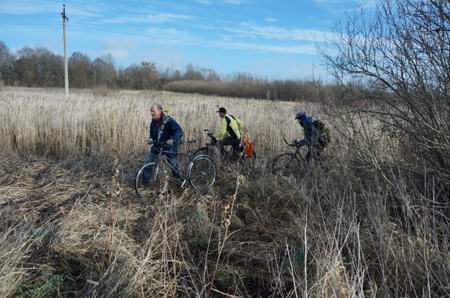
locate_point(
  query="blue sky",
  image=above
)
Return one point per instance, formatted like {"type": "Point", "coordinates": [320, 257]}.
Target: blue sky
{"type": "Point", "coordinates": [273, 39]}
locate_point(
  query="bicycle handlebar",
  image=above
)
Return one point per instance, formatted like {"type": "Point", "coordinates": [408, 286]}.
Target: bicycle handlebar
{"type": "Point", "coordinates": [151, 142]}
{"type": "Point", "coordinates": [208, 132]}
{"type": "Point", "coordinates": [289, 144]}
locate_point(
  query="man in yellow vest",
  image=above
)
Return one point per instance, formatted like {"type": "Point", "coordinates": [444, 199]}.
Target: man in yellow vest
{"type": "Point", "coordinates": [229, 131]}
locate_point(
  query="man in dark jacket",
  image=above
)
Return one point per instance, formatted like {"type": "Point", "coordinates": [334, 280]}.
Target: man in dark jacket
{"type": "Point", "coordinates": [165, 134]}
{"type": "Point", "coordinates": [311, 138]}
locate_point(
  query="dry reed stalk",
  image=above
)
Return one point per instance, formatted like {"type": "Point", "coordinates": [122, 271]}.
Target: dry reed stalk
{"type": "Point", "coordinates": [37, 121]}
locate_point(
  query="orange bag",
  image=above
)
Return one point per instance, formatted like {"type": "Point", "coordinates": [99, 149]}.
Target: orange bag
{"type": "Point", "coordinates": [248, 147]}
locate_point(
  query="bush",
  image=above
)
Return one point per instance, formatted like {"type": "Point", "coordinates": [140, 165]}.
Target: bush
{"type": "Point", "coordinates": [102, 91]}
{"type": "Point", "coordinates": [397, 52]}
{"type": "Point", "coordinates": [253, 88]}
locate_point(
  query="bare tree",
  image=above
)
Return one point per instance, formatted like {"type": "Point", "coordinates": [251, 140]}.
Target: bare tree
{"type": "Point", "coordinates": [104, 71]}
{"type": "Point", "coordinates": [192, 74]}
{"type": "Point", "coordinates": [80, 70]}
{"type": "Point", "coordinates": [401, 51]}
{"type": "Point", "coordinates": [38, 67]}
{"type": "Point", "coordinates": [6, 64]}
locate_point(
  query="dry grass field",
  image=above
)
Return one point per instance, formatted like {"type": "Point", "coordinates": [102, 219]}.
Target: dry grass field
{"type": "Point", "coordinates": [71, 225]}
{"type": "Point", "coordinates": [44, 122]}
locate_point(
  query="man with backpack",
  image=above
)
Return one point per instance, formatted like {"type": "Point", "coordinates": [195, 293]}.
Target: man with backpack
{"type": "Point", "coordinates": [316, 134]}
{"type": "Point", "coordinates": [229, 131]}
{"type": "Point", "coordinates": [165, 135]}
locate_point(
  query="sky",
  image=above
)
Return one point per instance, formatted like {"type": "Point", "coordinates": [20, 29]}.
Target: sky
{"type": "Point", "coordinates": [274, 39]}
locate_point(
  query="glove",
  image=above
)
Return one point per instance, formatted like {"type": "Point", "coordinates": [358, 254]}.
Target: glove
{"type": "Point", "coordinates": [169, 142]}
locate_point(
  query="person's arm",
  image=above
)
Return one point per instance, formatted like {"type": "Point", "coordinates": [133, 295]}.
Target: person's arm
{"type": "Point", "coordinates": [154, 137]}
{"type": "Point", "coordinates": [221, 130]}
{"type": "Point", "coordinates": [301, 142]}
{"type": "Point", "coordinates": [310, 133]}
{"type": "Point", "coordinates": [176, 131]}
{"type": "Point", "coordinates": [153, 133]}
{"type": "Point", "coordinates": [307, 139]}
{"type": "Point", "coordinates": [309, 130]}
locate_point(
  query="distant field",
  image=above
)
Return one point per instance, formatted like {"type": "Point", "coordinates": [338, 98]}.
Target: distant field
{"type": "Point", "coordinates": [116, 122]}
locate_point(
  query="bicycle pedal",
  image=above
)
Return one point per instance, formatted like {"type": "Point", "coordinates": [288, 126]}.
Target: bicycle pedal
{"type": "Point", "coordinates": [184, 182]}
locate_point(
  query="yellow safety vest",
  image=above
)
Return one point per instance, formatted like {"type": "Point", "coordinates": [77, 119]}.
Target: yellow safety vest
{"type": "Point", "coordinates": [229, 126]}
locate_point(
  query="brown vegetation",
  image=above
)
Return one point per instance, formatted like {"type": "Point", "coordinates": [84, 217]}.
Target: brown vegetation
{"type": "Point", "coordinates": [288, 90]}
{"type": "Point", "coordinates": [371, 220]}
{"type": "Point", "coordinates": [72, 224]}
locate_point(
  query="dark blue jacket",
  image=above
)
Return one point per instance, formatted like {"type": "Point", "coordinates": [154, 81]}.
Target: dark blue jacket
{"type": "Point", "coordinates": [311, 132]}
{"type": "Point", "coordinates": [165, 129]}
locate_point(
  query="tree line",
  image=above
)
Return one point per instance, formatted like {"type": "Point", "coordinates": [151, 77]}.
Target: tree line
{"type": "Point", "coordinates": [40, 67]}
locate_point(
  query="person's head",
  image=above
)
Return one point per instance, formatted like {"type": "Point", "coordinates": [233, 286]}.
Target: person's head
{"type": "Point", "coordinates": [222, 112]}
{"type": "Point", "coordinates": [300, 117]}
{"type": "Point", "coordinates": [156, 111]}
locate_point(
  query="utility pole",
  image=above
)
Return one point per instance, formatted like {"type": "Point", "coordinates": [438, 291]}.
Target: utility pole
{"type": "Point", "coordinates": [66, 70]}
{"type": "Point", "coordinates": [314, 74]}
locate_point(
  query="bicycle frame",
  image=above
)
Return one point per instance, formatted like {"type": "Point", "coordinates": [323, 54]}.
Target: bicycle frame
{"type": "Point", "coordinates": [188, 171]}
{"type": "Point", "coordinates": [297, 150]}
{"type": "Point", "coordinates": [213, 142]}
{"type": "Point", "coordinates": [162, 157]}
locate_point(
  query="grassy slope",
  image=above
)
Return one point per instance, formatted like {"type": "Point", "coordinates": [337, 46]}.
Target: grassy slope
{"type": "Point", "coordinates": [74, 226]}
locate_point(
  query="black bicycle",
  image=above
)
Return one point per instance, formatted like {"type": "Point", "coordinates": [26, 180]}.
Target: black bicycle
{"type": "Point", "coordinates": [290, 164]}
{"type": "Point", "coordinates": [199, 171]}
{"type": "Point", "coordinates": [226, 154]}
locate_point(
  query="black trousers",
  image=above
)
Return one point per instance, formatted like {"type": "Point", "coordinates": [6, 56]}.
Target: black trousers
{"type": "Point", "coordinates": [234, 144]}
{"type": "Point", "coordinates": [314, 152]}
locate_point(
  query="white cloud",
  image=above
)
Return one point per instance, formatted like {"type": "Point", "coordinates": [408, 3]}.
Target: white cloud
{"type": "Point", "coordinates": [286, 68]}
{"type": "Point", "coordinates": [130, 46]}
{"type": "Point", "coordinates": [124, 45]}
{"type": "Point", "coordinates": [333, 1]}
{"type": "Point", "coordinates": [280, 33]}
{"type": "Point", "coordinates": [157, 18]}
{"type": "Point", "coordinates": [234, 2]}
{"type": "Point", "coordinates": [369, 3]}
{"type": "Point", "coordinates": [119, 47]}
{"type": "Point", "coordinates": [204, 2]}
{"type": "Point", "coordinates": [230, 2]}
{"type": "Point", "coordinates": [296, 49]}
{"type": "Point", "coordinates": [169, 35]}
{"type": "Point", "coordinates": [28, 7]}
{"type": "Point", "coordinates": [336, 3]}
{"type": "Point", "coordinates": [164, 56]}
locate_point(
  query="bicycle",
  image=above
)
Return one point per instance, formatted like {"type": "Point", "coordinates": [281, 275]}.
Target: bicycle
{"type": "Point", "coordinates": [200, 172]}
{"type": "Point", "coordinates": [290, 164]}
{"type": "Point", "coordinates": [211, 148]}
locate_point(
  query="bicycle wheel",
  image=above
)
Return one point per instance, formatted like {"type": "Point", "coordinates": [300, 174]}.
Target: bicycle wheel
{"type": "Point", "coordinates": [202, 173]}
{"type": "Point", "coordinates": [153, 183]}
{"type": "Point", "coordinates": [286, 165]}
{"type": "Point", "coordinates": [212, 151]}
